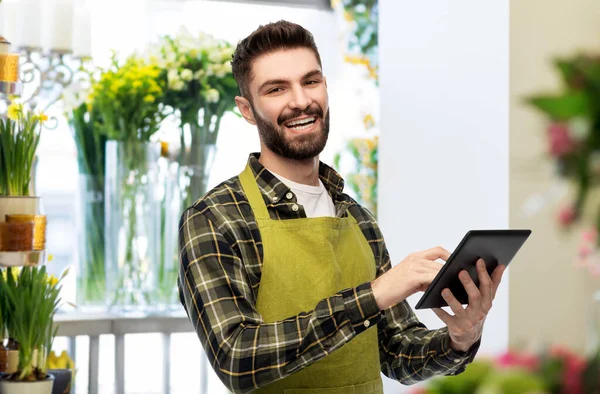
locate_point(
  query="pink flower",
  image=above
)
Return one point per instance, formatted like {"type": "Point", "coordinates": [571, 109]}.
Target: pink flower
{"type": "Point", "coordinates": [514, 359]}
{"type": "Point", "coordinates": [561, 142]}
{"type": "Point", "coordinates": [590, 236]}
{"type": "Point", "coordinates": [574, 366]}
{"type": "Point", "coordinates": [419, 390]}
{"type": "Point", "coordinates": [567, 216]}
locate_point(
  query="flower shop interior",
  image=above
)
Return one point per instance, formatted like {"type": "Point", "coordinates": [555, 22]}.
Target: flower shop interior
{"type": "Point", "coordinates": [446, 117]}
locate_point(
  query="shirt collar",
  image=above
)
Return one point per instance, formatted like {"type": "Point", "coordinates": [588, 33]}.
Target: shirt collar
{"type": "Point", "coordinates": [276, 190]}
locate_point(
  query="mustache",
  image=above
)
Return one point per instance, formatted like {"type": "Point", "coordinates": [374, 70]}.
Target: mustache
{"type": "Point", "coordinates": [310, 111]}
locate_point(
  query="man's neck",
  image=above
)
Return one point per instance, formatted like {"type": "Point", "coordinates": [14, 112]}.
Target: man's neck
{"type": "Point", "coordinates": [300, 171]}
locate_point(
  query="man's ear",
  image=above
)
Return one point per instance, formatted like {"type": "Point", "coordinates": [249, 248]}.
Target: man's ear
{"type": "Point", "coordinates": [244, 106]}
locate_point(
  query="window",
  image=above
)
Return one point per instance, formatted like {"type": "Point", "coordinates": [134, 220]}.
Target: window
{"type": "Point", "coordinates": [126, 26]}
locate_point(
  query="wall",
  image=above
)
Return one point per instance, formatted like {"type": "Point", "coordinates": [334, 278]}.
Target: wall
{"type": "Point", "coordinates": [444, 143]}
{"type": "Point", "coordinates": [549, 297]}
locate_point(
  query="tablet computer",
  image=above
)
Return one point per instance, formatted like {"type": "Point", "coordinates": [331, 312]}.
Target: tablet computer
{"type": "Point", "coordinates": [493, 246]}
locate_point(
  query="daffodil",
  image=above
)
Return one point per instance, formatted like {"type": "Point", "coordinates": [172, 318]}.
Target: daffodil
{"type": "Point", "coordinates": [15, 110]}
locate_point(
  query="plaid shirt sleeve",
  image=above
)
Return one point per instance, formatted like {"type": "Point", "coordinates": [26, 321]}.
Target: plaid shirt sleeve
{"type": "Point", "coordinates": [408, 351]}
{"type": "Point", "coordinates": [245, 352]}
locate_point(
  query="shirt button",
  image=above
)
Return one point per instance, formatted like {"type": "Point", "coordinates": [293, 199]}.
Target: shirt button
{"type": "Point", "coordinates": [295, 208]}
{"type": "Point", "coordinates": [367, 323]}
{"type": "Point", "coordinates": [275, 199]}
{"type": "Point", "coordinates": [289, 196]}
{"type": "Point", "coordinates": [456, 360]}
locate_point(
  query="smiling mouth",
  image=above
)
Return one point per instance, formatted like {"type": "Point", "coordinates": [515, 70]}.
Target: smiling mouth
{"type": "Point", "coordinates": [301, 124]}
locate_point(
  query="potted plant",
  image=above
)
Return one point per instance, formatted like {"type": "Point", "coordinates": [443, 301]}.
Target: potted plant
{"type": "Point", "coordinates": [20, 131]}
{"type": "Point", "coordinates": [30, 301]}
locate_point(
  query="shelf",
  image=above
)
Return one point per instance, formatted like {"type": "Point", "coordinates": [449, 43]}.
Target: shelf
{"type": "Point", "coordinates": [20, 259]}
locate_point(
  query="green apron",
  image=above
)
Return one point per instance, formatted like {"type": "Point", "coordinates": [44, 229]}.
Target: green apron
{"type": "Point", "coordinates": [305, 261]}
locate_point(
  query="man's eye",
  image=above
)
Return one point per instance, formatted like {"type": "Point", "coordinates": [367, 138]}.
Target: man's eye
{"type": "Point", "coordinates": [275, 90]}
{"type": "Point", "coordinates": [312, 82]}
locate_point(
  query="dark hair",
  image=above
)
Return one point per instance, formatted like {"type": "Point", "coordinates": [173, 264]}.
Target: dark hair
{"type": "Point", "coordinates": [267, 39]}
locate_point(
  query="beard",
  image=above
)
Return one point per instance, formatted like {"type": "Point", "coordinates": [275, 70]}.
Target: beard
{"type": "Point", "coordinates": [295, 147]}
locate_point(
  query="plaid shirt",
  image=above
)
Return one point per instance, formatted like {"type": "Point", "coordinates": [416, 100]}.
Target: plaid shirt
{"type": "Point", "coordinates": [219, 277]}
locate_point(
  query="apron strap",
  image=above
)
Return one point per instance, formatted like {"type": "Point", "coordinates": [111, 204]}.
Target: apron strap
{"type": "Point", "coordinates": [255, 198]}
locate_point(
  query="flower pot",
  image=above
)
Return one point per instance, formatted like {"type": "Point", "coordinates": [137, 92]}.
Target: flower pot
{"type": "Point", "coordinates": [18, 205]}
{"type": "Point", "coordinates": [62, 380]}
{"type": "Point", "coordinates": [38, 387]}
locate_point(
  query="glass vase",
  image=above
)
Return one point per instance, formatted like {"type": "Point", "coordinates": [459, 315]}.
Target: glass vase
{"type": "Point", "coordinates": [132, 228]}
{"type": "Point", "coordinates": [91, 268]}
{"type": "Point", "coordinates": [182, 186]}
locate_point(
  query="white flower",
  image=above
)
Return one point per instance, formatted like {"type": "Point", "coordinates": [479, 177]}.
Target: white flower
{"type": "Point", "coordinates": [172, 75]}
{"type": "Point", "coordinates": [199, 74]}
{"type": "Point", "coordinates": [580, 128]}
{"type": "Point", "coordinates": [187, 75]}
{"type": "Point", "coordinates": [220, 71]}
{"type": "Point", "coordinates": [210, 70]}
{"type": "Point", "coordinates": [212, 95]}
{"type": "Point", "coordinates": [215, 56]}
{"type": "Point", "coordinates": [176, 84]}
{"type": "Point", "coordinates": [171, 57]}
{"type": "Point", "coordinates": [226, 53]}
{"type": "Point", "coordinates": [227, 67]}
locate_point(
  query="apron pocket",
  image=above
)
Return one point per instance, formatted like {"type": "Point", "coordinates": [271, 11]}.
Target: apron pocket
{"type": "Point", "coordinates": [372, 387]}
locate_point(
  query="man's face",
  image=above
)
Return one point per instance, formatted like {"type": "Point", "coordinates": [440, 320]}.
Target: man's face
{"type": "Point", "coordinates": [290, 104]}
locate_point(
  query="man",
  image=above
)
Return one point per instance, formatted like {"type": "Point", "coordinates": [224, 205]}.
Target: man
{"type": "Point", "coordinates": [287, 279]}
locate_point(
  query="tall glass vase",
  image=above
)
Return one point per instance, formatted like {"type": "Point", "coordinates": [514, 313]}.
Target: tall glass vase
{"type": "Point", "coordinates": [132, 224]}
{"type": "Point", "coordinates": [182, 186]}
{"type": "Point", "coordinates": [91, 269]}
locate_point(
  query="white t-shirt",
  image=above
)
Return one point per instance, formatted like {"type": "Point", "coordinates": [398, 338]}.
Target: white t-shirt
{"type": "Point", "coordinates": [315, 199]}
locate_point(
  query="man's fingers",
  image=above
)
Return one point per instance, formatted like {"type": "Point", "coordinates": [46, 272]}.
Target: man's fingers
{"type": "Point", "coordinates": [497, 278]}
{"type": "Point", "coordinates": [435, 253]}
{"type": "Point", "coordinates": [471, 289]}
{"type": "Point", "coordinates": [485, 285]}
{"type": "Point", "coordinates": [443, 315]}
{"type": "Point", "coordinates": [430, 265]}
{"type": "Point", "coordinates": [453, 303]}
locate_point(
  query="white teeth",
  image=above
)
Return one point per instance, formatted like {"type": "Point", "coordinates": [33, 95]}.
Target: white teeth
{"type": "Point", "coordinates": [301, 121]}
{"type": "Point", "coordinates": [308, 126]}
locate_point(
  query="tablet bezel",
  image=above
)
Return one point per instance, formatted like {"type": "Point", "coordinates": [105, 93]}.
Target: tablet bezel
{"type": "Point", "coordinates": [429, 297]}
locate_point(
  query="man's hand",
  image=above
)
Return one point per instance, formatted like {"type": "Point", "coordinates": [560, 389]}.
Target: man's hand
{"type": "Point", "coordinates": [466, 326]}
{"type": "Point", "coordinates": [413, 274]}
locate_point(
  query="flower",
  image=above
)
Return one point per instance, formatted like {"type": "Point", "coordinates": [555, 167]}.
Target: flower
{"type": "Point", "coordinates": [567, 216]}
{"type": "Point", "coordinates": [512, 358]}
{"type": "Point", "coordinates": [15, 110]}
{"type": "Point", "coordinates": [560, 140]}
{"type": "Point", "coordinates": [212, 95]}
{"type": "Point", "coordinates": [187, 74]}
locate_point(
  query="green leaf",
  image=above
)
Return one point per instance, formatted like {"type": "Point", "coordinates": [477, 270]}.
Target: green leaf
{"type": "Point", "coordinates": [563, 107]}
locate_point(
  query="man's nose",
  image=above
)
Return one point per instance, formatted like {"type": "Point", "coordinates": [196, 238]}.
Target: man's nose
{"type": "Point", "coordinates": [300, 99]}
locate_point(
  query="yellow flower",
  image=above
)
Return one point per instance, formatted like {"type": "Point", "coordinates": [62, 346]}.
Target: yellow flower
{"type": "Point", "coordinates": [52, 280]}
{"type": "Point", "coordinates": [50, 257]}
{"type": "Point", "coordinates": [164, 149]}
{"type": "Point", "coordinates": [356, 60]}
{"type": "Point", "coordinates": [348, 16]}
{"type": "Point", "coordinates": [137, 84]}
{"type": "Point", "coordinates": [15, 110]}
{"type": "Point", "coordinates": [369, 121]}
{"type": "Point", "coordinates": [42, 117]}
{"type": "Point", "coordinates": [149, 98]}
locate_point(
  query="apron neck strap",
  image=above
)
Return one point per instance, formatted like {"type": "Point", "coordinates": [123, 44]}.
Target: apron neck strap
{"type": "Point", "coordinates": [255, 198]}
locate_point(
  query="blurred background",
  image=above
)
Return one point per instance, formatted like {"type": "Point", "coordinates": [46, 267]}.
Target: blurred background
{"type": "Point", "coordinates": [445, 117]}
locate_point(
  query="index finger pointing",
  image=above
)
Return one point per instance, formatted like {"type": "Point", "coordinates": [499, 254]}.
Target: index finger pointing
{"type": "Point", "coordinates": [436, 253]}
